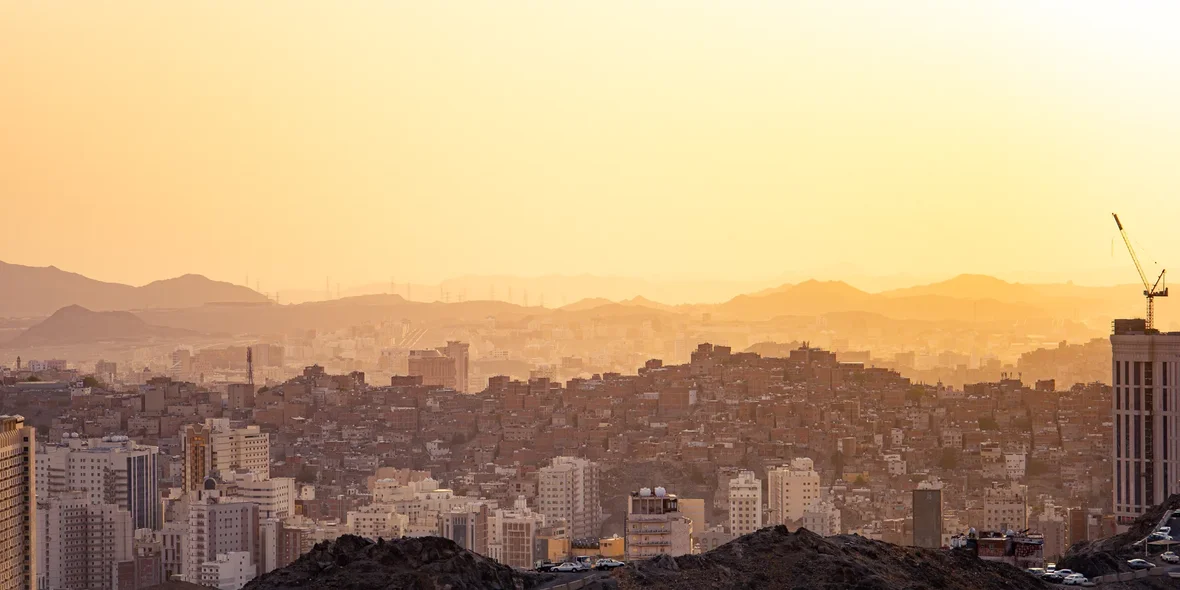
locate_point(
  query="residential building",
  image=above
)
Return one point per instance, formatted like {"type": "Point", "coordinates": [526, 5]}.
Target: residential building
{"type": "Point", "coordinates": [568, 489]}
{"type": "Point", "coordinates": [378, 521]}
{"type": "Point", "coordinates": [227, 571]}
{"type": "Point", "coordinates": [467, 526]}
{"type": "Point", "coordinates": [18, 494]}
{"type": "Point", "coordinates": [81, 542]}
{"type": "Point", "coordinates": [512, 535]}
{"type": "Point", "coordinates": [791, 490]}
{"type": "Point", "coordinates": [1005, 508]}
{"type": "Point", "coordinates": [113, 469]}
{"type": "Point", "coordinates": [655, 525]}
{"type": "Point", "coordinates": [215, 446]}
{"type": "Point", "coordinates": [745, 504]}
{"type": "Point", "coordinates": [459, 352]}
{"type": "Point", "coordinates": [218, 527]}
{"type": "Point", "coordinates": [434, 367]}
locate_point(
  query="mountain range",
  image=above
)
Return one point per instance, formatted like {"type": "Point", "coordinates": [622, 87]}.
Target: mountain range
{"type": "Point", "coordinates": [32, 291]}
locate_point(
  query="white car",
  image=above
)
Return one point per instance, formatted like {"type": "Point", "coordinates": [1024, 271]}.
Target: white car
{"type": "Point", "coordinates": [608, 564]}
{"type": "Point", "coordinates": [568, 567]}
{"type": "Point", "coordinates": [1074, 580]}
{"type": "Point", "coordinates": [1170, 557]}
{"type": "Point", "coordinates": [1065, 573]}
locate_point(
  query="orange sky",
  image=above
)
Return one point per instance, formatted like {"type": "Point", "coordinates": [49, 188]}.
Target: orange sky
{"type": "Point", "coordinates": [294, 140]}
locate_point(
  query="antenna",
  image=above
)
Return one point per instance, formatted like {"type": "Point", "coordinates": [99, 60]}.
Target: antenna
{"type": "Point", "coordinates": [250, 366]}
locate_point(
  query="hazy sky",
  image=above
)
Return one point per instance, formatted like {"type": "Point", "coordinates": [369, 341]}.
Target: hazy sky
{"type": "Point", "coordinates": [293, 140]}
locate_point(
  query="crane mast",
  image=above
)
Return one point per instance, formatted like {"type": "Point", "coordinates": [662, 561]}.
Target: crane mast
{"type": "Point", "coordinates": [1150, 290]}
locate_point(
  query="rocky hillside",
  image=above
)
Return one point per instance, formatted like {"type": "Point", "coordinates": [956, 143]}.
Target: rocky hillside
{"type": "Point", "coordinates": [77, 325]}
{"type": "Point", "coordinates": [1110, 555]}
{"type": "Point", "coordinates": [428, 563]}
{"type": "Point", "coordinates": [774, 558]}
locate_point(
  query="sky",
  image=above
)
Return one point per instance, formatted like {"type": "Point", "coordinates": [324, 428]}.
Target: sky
{"type": "Point", "coordinates": [288, 141]}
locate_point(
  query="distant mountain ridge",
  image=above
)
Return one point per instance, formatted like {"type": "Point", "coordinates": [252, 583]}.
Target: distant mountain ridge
{"type": "Point", "coordinates": [77, 325]}
{"type": "Point", "coordinates": [31, 291]}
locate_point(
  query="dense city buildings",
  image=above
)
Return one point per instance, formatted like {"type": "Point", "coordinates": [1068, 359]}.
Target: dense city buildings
{"type": "Point", "coordinates": [543, 470]}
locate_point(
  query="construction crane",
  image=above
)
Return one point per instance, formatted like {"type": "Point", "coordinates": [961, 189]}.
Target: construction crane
{"type": "Point", "coordinates": [1150, 291]}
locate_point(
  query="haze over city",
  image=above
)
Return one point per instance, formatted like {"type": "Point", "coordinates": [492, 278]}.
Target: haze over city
{"type": "Point", "coordinates": [589, 296]}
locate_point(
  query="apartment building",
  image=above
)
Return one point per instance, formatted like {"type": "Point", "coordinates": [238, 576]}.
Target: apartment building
{"type": "Point", "coordinates": [655, 525]}
{"type": "Point", "coordinates": [568, 489]}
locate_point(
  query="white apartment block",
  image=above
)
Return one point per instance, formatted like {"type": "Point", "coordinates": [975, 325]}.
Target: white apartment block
{"type": "Point", "coordinates": [745, 504]}
{"type": "Point", "coordinates": [112, 469]}
{"type": "Point", "coordinates": [80, 542]}
{"type": "Point", "coordinates": [228, 571]}
{"type": "Point", "coordinates": [656, 526]}
{"type": "Point", "coordinates": [568, 489]}
{"type": "Point", "coordinates": [791, 490]}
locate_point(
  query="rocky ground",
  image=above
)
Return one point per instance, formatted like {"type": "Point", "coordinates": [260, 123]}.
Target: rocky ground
{"type": "Point", "coordinates": [774, 558]}
{"type": "Point", "coordinates": [428, 563]}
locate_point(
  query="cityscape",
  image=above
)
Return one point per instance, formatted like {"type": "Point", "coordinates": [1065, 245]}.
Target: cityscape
{"type": "Point", "coordinates": [589, 296]}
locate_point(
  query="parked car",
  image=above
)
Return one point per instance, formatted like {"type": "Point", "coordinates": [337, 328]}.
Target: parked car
{"type": "Point", "coordinates": [545, 566]}
{"type": "Point", "coordinates": [1140, 564]}
{"type": "Point", "coordinates": [568, 567]}
{"type": "Point", "coordinates": [1064, 573]}
{"type": "Point", "coordinates": [1075, 580]}
{"type": "Point", "coordinates": [1167, 530]}
{"type": "Point", "coordinates": [1036, 571]}
{"type": "Point", "coordinates": [1170, 557]}
{"type": "Point", "coordinates": [1052, 577]}
{"type": "Point", "coordinates": [608, 564]}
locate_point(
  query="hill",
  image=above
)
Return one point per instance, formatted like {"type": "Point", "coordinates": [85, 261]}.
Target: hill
{"type": "Point", "coordinates": [77, 325]}
{"type": "Point", "coordinates": [424, 563]}
{"type": "Point", "coordinates": [39, 291]}
{"type": "Point", "coordinates": [776, 558]}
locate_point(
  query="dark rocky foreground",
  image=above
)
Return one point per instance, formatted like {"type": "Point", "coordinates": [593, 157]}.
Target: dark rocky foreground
{"type": "Point", "coordinates": [775, 558]}
{"type": "Point", "coordinates": [427, 563]}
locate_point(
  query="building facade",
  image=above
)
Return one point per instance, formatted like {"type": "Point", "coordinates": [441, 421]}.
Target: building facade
{"type": "Point", "coordinates": [18, 504]}
{"type": "Point", "coordinates": [1144, 370]}
{"type": "Point", "coordinates": [655, 525]}
{"type": "Point", "coordinates": [745, 504]}
{"type": "Point", "coordinates": [113, 469]}
{"type": "Point", "coordinates": [791, 490]}
{"type": "Point", "coordinates": [928, 518]}
{"type": "Point", "coordinates": [568, 489]}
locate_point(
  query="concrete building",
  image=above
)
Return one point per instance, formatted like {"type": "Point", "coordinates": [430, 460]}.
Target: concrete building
{"type": "Point", "coordinates": [378, 521]}
{"type": "Point", "coordinates": [655, 525]}
{"type": "Point", "coordinates": [214, 447]}
{"type": "Point", "coordinates": [460, 353]}
{"type": "Point", "coordinates": [568, 489]}
{"type": "Point", "coordinates": [1145, 369]}
{"type": "Point", "coordinates": [791, 490]}
{"type": "Point", "coordinates": [241, 396]}
{"type": "Point", "coordinates": [512, 535]}
{"type": "Point", "coordinates": [18, 496]}
{"type": "Point", "coordinates": [745, 504]}
{"type": "Point", "coordinates": [433, 367]}
{"type": "Point", "coordinates": [113, 469]}
{"type": "Point", "coordinates": [1005, 508]}
{"type": "Point", "coordinates": [218, 527]}
{"type": "Point", "coordinates": [227, 571]}
{"type": "Point", "coordinates": [274, 496]}
{"type": "Point", "coordinates": [928, 517]}
{"type": "Point", "coordinates": [822, 518]}
{"type": "Point", "coordinates": [467, 526]}
{"type": "Point", "coordinates": [81, 543]}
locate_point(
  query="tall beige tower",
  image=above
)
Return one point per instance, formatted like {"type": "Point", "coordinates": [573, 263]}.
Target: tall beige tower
{"type": "Point", "coordinates": [18, 504]}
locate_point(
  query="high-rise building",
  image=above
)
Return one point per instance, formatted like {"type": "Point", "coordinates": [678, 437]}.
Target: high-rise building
{"type": "Point", "coordinates": [745, 504]}
{"type": "Point", "coordinates": [274, 496]}
{"type": "Point", "coordinates": [460, 353]}
{"type": "Point", "coordinates": [1145, 369]}
{"type": "Point", "coordinates": [655, 525]}
{"type": "Point", "coordinates": [81, 542]}
{"type": "Point", "coordinates": [114, 470]}
{"type": "Point", "coordinates": [18, 490]}
{"type": "Point", "coordinates": [567, 489]}
{"type": "Point", "coordinates": [928, 517]}
{"type": "Point", "coordinates": [214, 447]}
{"type": "Point", "coordinates": [219, 526]}
{"type": "Point", "coordinates": [433, 367]}
{"type": "Point", "coordinates": [791, 490]}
